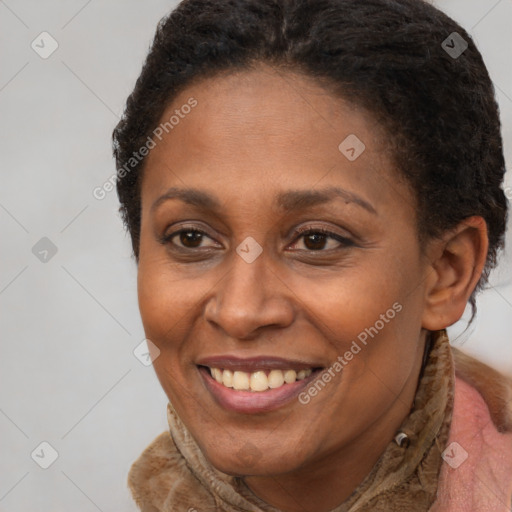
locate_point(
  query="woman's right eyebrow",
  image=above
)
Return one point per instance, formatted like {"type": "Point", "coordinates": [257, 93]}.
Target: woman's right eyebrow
{"type": "Point", "coordinates": [193, 196]}
{"type": "Point", "coordinates": [290, 200]}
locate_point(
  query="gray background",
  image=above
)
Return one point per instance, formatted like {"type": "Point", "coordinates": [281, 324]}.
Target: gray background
{"type": "Point", "coordinates": [69, 325]}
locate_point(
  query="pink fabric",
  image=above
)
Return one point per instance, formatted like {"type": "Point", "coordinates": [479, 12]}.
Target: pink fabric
{"type": "Point", "coordinates": [483, 481]}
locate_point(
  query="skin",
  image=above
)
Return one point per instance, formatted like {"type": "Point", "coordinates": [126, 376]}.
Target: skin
{"type": "Point", "coordinates": [252, 135]}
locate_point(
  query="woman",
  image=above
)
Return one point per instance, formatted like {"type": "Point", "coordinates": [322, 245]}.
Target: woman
{"type": "Point", "coordinates": [314, 192]}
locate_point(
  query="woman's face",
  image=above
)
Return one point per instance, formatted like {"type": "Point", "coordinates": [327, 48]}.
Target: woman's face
{"type": "Point", "coordinates": [237, 274]}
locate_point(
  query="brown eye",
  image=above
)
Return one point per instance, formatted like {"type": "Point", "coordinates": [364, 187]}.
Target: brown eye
{"type": "Point", "coordinates": [187, 239]}
{"type": "Point", "coordinates": [321, 240]}
{"type": "Point", "coordinates": [190, 239]}
{"type": "Point", "coordinates": [315, 241]}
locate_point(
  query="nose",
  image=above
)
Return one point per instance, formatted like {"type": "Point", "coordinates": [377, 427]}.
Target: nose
{"type": "Point", "coordinates": [250, 298]}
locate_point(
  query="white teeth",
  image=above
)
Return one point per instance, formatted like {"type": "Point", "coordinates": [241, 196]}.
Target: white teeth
{"type": "Point", "coordinates": [275, 379]}
{"type": "Point", "coordinates": [241, 380]}
{"type": "Point", "coordinates": [259, 380]}
{"type": "Point", "coordinates": [217, 374]}
{"type": "Point", "coordinates": [226, 378]}
{"type": "Point", "coordinates": [290, 376]}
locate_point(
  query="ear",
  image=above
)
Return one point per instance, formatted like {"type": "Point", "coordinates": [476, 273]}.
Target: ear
{"type": "Point", "coordinates": [455, 264]}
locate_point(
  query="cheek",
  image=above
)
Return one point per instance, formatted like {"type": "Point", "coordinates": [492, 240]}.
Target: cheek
{"type": "Point", "coordinates": [345, 305]}
{"type": "Point", "coordinates": [163, 310]}
{"type": "Point", "coordinates": [371, 317]}
{"type": "Point", "coordinates": [155, 299]}
{"type": "Point", "coordinates": [165, 300]}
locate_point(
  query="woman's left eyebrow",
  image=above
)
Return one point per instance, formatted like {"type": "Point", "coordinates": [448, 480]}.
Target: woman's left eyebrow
{"type": "Point", "coordinates": [300, 199]}
{"type": "Point", "coordinates": [288, 201]}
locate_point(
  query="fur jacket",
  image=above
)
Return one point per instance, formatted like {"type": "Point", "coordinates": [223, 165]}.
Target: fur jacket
{"type": "Point", "coordinates": [457, 458]}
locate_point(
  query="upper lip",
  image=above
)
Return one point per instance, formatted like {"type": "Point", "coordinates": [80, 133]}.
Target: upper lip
{"type": "Point", "coordinates": [251, 364]}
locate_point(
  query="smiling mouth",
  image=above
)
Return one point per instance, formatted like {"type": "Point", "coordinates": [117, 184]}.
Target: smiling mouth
{"type": "Point", "coordinates": [253, 385]}
{"type": "Point", "coordinates": [258, 381]}
{"type": "Point", "coordinates": [254, 390]}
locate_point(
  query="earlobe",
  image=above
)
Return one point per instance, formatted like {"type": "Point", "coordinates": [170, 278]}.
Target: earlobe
{"type": "Point", "coordinates": [457, 260]}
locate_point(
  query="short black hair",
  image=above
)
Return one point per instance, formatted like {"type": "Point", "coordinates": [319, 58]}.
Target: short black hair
{"type": "Point", "coordinates": [399, 59]}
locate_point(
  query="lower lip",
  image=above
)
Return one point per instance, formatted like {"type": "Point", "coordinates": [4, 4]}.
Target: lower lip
{"type": "Point", "coordinates": [252, 402]}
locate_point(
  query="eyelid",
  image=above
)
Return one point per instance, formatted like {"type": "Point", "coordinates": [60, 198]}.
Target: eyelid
{"type": "Point", "coordinates": [343, 240]}
{"type": "Point", "coordinates": [324, 230]}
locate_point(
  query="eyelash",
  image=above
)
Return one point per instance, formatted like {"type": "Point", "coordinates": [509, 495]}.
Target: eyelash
{"type": "Point", "coordinates": [301, 232]}
{"type": "Point", "coordinates": [344, 241]}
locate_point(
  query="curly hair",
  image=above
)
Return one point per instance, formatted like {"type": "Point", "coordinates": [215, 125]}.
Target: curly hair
{"type": "Point", "coordinates": [390, 57]}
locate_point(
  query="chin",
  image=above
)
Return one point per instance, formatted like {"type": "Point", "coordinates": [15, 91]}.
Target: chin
{"type": "Point", "coordinates": [249, 460]}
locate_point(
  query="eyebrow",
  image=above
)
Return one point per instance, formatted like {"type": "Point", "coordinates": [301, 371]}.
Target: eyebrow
{"type": "Point", "coordinates": [288, 201]}
{"type": "Point", "coordinates": [292, 200]}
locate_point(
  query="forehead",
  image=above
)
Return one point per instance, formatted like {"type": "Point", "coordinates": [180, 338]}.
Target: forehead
{"type": "Point", "coordinates": [264, 129]}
